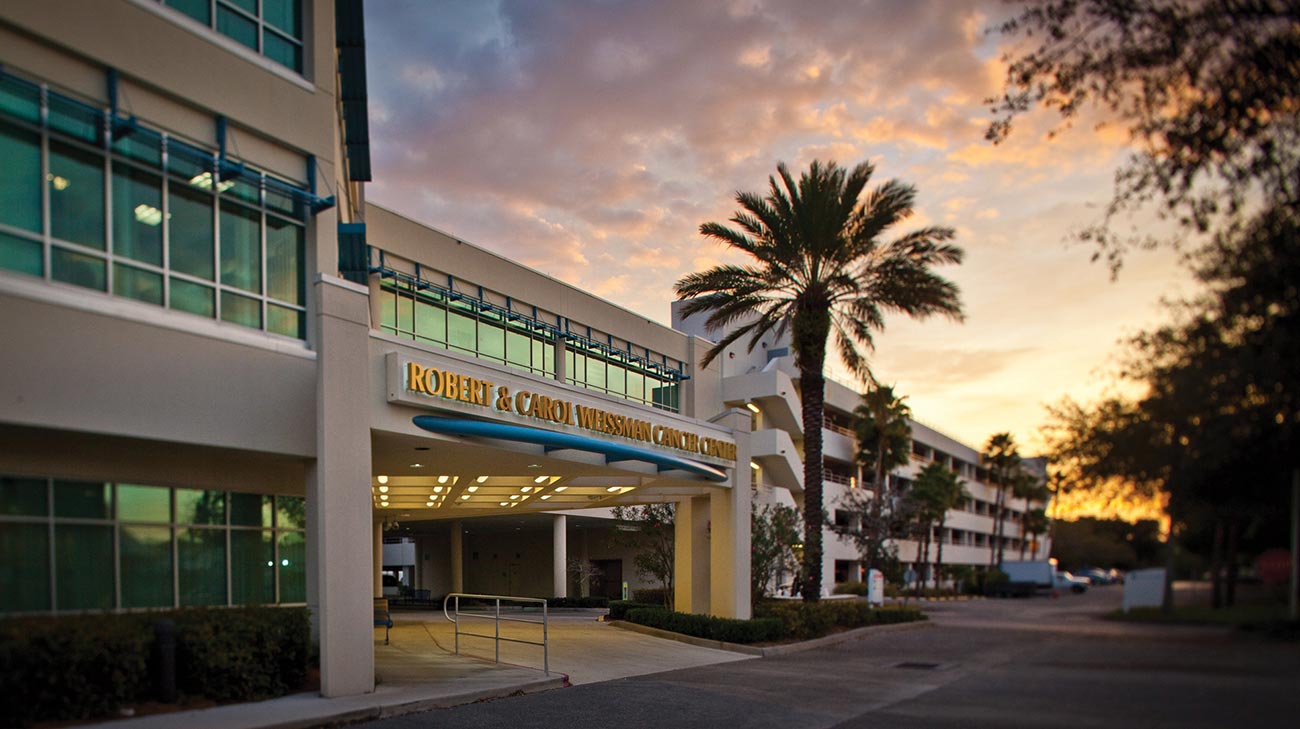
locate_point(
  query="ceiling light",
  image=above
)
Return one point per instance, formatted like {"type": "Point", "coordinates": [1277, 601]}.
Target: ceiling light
{"type": "Point", "coordinates": [534, 465]}
{"type": "Point", "coordinates": [381, 479]}
{"type": "Point", "coordinates": [481, 479]}
{"type": "Point", "coordinates": [383, 489]}
{"type": "Point", "coordinates": [545, 497]}
{"type": "Point", "coordinates": [442, 479]}
{"type": "Point", "coordinates": [417, 465]}
{"type": "Point", "coordinates": [558, 489]}
{"type": "Point", "coordinates": [752, 406]}
{"type": "Point", "coordinates": [514, 497]}
{"type": "Point", "coordinates": [472, 489]}
{"type": "Point", "coordinates": [464, 497]}
{"type": "Point", "coordinates": [753, 465]}
{"type": "Point", "coordinates": [428, 503]}
{"type": "Point", "coordinates": [148, 214]}
{"type": "Point", "coordinates": [525, 489]}
{"type": "Point", "coordinates": [59, 183]}
{"type": "Point", "coordinates": [612, 489]}
{"type": "Point", "coordinates": [437, 489]}
{"type": "Point", "coordinates": [204, 181]}
{"type": "Point", "coordinates": [540, 479]}
{"type": "Point", "coordinates": [384, 505]}
{"type": "Point", "coordinates": [503, 503]}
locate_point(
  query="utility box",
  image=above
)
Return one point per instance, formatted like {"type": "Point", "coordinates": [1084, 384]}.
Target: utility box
{"type": "Point", "coordinates": [875, 587]}
{"type": "Point", "coordinates": [1144, 588]}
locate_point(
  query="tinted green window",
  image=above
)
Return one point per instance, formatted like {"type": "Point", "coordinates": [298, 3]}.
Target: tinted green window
{"type": "Point", "coordinates": [430, 322]}
{"type": "Point", "coordinates": [285, 15]}
{"type": "Point", "coordinates": [282, 51]}
{"type": "Point", "coordinates": [388, 311]}
{"type": "Point", "coordinates": [405, 313]}
{"type": "Point", "coordinates": [76, 195]}
{"type": "Point", "coordinates": [83, 566]}
{"type": "Point", "coordinates": [75, 119]}
{"type": "Point", "coordinates": [491, 341]}
{"type": "Point", "coordinates": [192, 297]}
{"type": "Point", "coordinates": [617, 379]}
{"type": "Point", "coordinates": [139, 284]}
{"type": "Point", "coordinates": [200, 10]}
{"type": "Point", "coordinates": [20, 100]}
{"type": "Point", "coordinates": [234, 25]}
{"type": "Point", "coordinates": [595, 373]}
{"type": "Point", "coordinates": [24, 567]}
{"type": "Point", "coordinates": [146, 565]}
{"type": "Point", "coordinates": [519, 350]}
{"type": "Point", "coordinates": [250, 510]}
{"type": "Point", "coordinates": [248, 6]}
{"type": "Point", "coordinates": [201, 566]}
{"type": "Point", "coordinates": [21, 255]}
{"type": "Point", "coordinates": [83, 500]}
{"type": "Point", "coordinates": [636, 386]}
{"type": "Point", "coordinates": [573, 373]}
{"type": "Point", "coordinates": [144, 503]}
{"type": "Point", "coordinates": [241, 248]}
{"type": "Point", "coordinates": [23, 496]}
{"type": "Point", "coordinates": [78, 269]}
{"type": "Point", "coordinates": [252, 567]}
{"type": "Point", "coordinates": [461, 332]}
{"type": "Point", "coordinates": [284, 261]}
{"type": "Point", "coordinates": [137, 214]}
{"type": "Point", "coordinates": [195, 506]}
{"type": "Point", "coordinates": [241, 310]}
{"type": "Point", "coordinates": [141, 146]}
{"type": "Point", "coordinates": [293, 567]}
{"type": "Point", "coordinates": [291, 512]}
{"type": "Point", "coordinates": [284, 321]}
{"type": "Point", "coordinates": [548, 357]}
{"type": "Point", "coordinates": [190, 226]}
{"type": "Point", "coordinates": [20, 185]}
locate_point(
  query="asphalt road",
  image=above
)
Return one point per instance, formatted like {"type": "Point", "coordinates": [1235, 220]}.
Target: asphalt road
{"type": "Point", "coordinates": [1004, 663]}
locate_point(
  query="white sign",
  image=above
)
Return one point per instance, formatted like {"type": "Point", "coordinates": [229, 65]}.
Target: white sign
{"type": "Point", "coordinates": [1144, 588]}
{"type": "Point", "coordinates": [875, 587]}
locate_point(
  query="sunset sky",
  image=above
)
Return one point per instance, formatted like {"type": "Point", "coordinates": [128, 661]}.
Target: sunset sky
{"type": "Point", "coordinates": [590, 140]}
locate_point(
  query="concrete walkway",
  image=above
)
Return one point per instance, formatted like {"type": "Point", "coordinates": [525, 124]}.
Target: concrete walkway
{"type": "Point", "coordinates": [417, 671]}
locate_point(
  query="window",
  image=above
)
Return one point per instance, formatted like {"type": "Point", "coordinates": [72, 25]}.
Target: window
{"type": "Point", "coordinates": [77, 545]}
{"type": "Point", "coordinates": [180, 235]}
{"type": "Point", "coordinates": [275, 32]}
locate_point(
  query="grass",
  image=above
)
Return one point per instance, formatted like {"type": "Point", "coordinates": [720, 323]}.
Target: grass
{"type": "Point", "coordinates": [1269, 619]}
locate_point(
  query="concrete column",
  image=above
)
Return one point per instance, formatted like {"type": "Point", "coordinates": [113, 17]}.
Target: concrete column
{"type": "Point", "coordinates": [340, 520]}
{"type": "Point", "coordinates": [378, 552]}
{"type": "Point", "coordinates": [691, 555]}
{"type": "Point", "coordinates": [584, 556]}
{"type": "Point", "coordinates": [729, 529]}
{"type": "Point", "coordinates": [559, 556]}
{"type": "Point", "coordinates": [457, 557]}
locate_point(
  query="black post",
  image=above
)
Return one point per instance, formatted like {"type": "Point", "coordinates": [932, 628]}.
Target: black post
{"type": "Point", "coordinates": [165, 652]}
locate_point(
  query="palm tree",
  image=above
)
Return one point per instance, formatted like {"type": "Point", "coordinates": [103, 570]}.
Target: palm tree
{"type": "Point", "coordinates": [1036, 524]}
{"type": "Point", "coordinates": [1027, 487]}
{"type": "Point", "coordinates": [820, 270]}
{"type": "Point", "coordinates": [884, 443]}
{"type": "Point", "coordinates": [943, 491]}
{"type": "Point", "coordinates": [1002, 458]}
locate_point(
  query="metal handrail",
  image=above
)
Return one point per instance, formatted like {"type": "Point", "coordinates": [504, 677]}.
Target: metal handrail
{"type": "Point", "coordinates": [496, 618]}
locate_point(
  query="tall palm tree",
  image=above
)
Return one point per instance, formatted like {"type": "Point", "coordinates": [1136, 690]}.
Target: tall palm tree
{"type": "Point", "coordinates": [884, 444]}
{"type": "Point", "coordinates": [1001, 457]}
{"type": "Point", "coordinates": [1030, 489]}
{"type": "Point", "coordinates": [942, 491]}
{"type": "Point", "coordinates": [821, 269]}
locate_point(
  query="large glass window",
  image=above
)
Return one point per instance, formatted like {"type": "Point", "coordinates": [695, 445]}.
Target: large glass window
{"type": "Point", "coordinates": [118, 546]}
{"type": "Point", "coordinates": [235, 243]}
{"type": "Point", "coordinates": [275, 32]}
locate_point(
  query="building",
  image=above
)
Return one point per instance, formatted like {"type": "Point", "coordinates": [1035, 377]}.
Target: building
{"type": "Point", "coordinates": [226, 376]}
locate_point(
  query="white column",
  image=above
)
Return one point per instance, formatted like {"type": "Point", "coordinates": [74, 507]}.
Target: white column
{"type": "Point", "coordinates": [378, 552]}
{"type": "Point", "coordinates": [340, 521]}
{"type": "Point", "coordinates": [584, 556]}
{"type": "Point", "coordinates": [457, 558]}
{"type": "Point", "coordinates": [559, 556]}
{"type": "Point", "coordinates": [729, 529]}
{"type": "Point", "coordinates": [691, 555]}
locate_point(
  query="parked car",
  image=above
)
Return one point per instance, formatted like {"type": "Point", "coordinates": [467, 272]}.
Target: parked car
{"type": "Point", "coordinates": [1096, 575]}
{"type": "Point", "coordinates": [1067, 581]}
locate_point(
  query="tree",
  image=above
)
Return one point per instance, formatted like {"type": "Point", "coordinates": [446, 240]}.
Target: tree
{"type": "Point", "coordinates": [653, 539]}
{"type": "Point", "coordinates": [774, 534]}
{"type": "Point", "coordinates": [1209, 92]}
{"type": "Point", "coordinates": [936, 491]}
{"type": "Point", "coordinates": [884, 438]}
{"type": "Point", "coordinates": [1030, 489]}
{"type": "Point", "coordinates": [821, 270]}
{"type": "Point", "coordinates": [1002, 459]}
{"type": "Point", "coordinates": [1036, 524]}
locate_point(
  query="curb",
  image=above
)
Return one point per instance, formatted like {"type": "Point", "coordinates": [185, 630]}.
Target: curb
{"type": "Point", "coordinates": [772, 651]}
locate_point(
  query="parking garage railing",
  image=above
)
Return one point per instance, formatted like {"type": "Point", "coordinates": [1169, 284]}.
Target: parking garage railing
{"type": "Point", "coordinates": [451, 609]}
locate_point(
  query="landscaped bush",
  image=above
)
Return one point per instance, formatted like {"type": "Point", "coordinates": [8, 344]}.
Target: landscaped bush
{"type": "Point", "coordinates": [653, 596]}
{"type": "Point", "coordinates": [758, 630]}
{"type": "Point", "coordinates": [618, 608]}
{"type": "Point", "coordinates": [594, 601]}
{"type": "Point", "coordinates": [851, 588]}
{"type": "Point", "coordinates": [803, 620]}
{"type": "Point", "coordinates": [88, 666]}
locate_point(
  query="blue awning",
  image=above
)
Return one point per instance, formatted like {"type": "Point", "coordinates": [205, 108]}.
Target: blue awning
{"type": "Point", "coordinates": [553, 440]}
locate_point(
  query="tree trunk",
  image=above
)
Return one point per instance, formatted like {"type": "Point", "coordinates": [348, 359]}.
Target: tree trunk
{"type": "Point", "coordinates": [1216, 566]}
{"type": "Point", "coordinates": [1024, 519]}
{"type": "Point", "coordinates": [995, 553]}
{"type": "Point", "coordinates": [938, 558]}
{"type": "Point", "coordinates": [1234, 531]}
{"type": "Point", "coordinates": [812, 397]}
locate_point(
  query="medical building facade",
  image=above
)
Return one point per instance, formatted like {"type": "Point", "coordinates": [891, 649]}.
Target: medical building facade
{"type": "Point", "coordinates": [227, 379]}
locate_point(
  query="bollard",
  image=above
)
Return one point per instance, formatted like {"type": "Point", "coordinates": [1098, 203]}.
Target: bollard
{"type": "Point", "coordinates": [165, 660]}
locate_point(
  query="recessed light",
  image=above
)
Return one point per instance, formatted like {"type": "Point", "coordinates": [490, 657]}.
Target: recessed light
{"type": "Point", "coordinates": [442, 479]}
{"type": "Point", "coordinates": [381, 479]}
{"type": "Point", "coordinates": [428, 503]}
{"type": "Point", "coordinates": [417, 465]}
{"type": "Point", "coordinates": [612, 489]}
{"type": "Point", "coordinates": [545, 497]}
{"type": "Point", "coordinates": [503, 503]}
{"type": "Point", "coordinates": [558, 489]}
{"type": "Point", "coordinates": [464, 497]}
{"type": "Point", "coordinates": [753, 465]}
{"type": "Point", "coordinates": [481, 479]}
{"type": "Point", "coordinates": [525, 489]}
{"type": "Point", "coordinates": [752, 407]}
{"type": "Point", "coordinates": [534, 465]}
{"type": "Point", "coordinates": [437, 489]}
{"type": "Point", "coordinates": [540, 479]}
{"type": "Point", "coordinates": [383, 489]}
{"type": "Point", "coordinates": [472, 489]}
{"type": "Point", "coordinates": [514, 497]}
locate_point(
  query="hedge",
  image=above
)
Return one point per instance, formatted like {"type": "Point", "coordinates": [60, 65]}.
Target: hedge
{"type": "Point", "coordinates": [804, 620]}
{"type": "Point", "coordinates": [758, 630]}
{"type": "Point", "coordinates": [653, 596]}
{"type": "Point", "coordinates": [88, 666]}
{"type": "Point", "coordinates": [618, 608]}
{"type": "Point", "coordinates": [851, 588]}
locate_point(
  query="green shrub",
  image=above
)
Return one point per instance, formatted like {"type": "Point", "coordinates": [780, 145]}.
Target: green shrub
{"type": "Point", "coordinates": [803, 620]}
{"type": "Point", "coordinates": [75, 667]}
{"type": "Point", "coordinates": [758, 630]}
{"type": "Point", "coordinates": [653, 596]}
{"type": "Point", "coordinates": [618, 608]}
{"type": "Point", "coordinates": [851, 588]}
{"type": "Point", "coordinates": [595, 601]}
